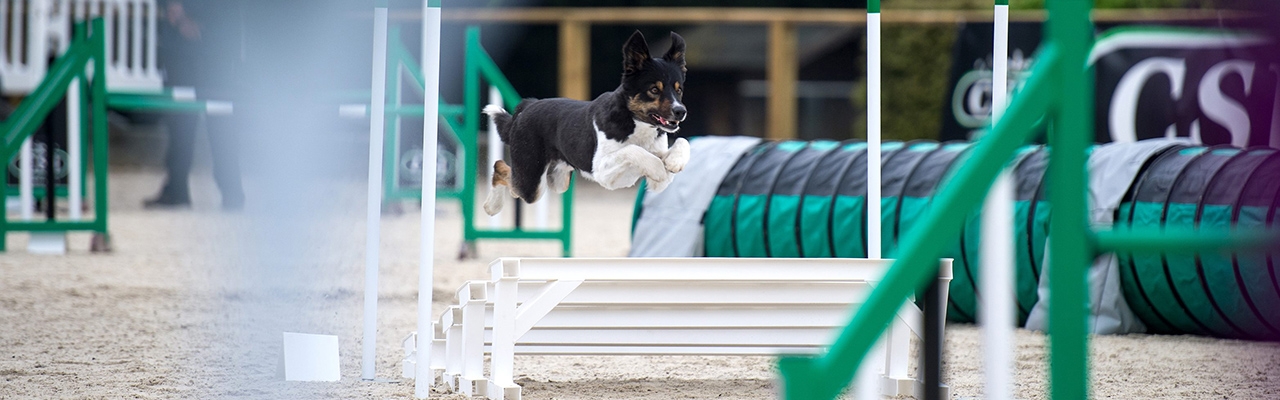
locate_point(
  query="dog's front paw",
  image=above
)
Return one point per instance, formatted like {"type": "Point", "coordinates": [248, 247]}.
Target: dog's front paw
{"type": "Point", "coordinates": [677, 157]}
{"type": "Point", "coordinates": [658, 185]}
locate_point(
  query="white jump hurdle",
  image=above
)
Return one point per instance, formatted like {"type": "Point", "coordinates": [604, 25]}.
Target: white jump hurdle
{"type": "Point", "coordinates": [653, 306]}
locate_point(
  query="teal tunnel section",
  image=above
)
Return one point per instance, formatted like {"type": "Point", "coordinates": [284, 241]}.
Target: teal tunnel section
{"type": "Point", "coordinates": [808, 199]}
{"type": "Point", "coordinates": [1223, 294]}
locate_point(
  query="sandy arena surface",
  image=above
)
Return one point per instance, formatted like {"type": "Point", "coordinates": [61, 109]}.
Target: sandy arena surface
{"type": "Point", "coordinates": [191, 305]}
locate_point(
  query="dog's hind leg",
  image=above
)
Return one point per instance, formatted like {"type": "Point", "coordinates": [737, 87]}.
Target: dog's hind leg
{"type": "Point", "coordinates": [528, 164]}
{"type": "Point", "coordinates": [500, 189]}
{"type": "Point", "coordinates": [559, 174]}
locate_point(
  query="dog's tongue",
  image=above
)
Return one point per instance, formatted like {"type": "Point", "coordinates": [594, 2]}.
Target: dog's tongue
{"type": "Point", "coordinates": [662, 120]}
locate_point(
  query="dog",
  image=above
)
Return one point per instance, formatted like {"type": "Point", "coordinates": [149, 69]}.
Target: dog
{"type": "Point", "coordinates": [614, 140]}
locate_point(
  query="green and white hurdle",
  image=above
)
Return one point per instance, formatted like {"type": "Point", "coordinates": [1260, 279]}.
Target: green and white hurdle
{"type": "Point", "coordinates": [133, 82]}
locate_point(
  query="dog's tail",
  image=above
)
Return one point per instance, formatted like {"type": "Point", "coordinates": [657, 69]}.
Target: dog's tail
{"type": "Point", "coordinates": [502, 120]}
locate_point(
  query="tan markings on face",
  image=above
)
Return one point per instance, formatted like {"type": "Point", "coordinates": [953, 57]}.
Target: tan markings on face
{"type": "Point", "coordinates": [645, 103]}
{"type": "Point", "coordinates": [659, 85]}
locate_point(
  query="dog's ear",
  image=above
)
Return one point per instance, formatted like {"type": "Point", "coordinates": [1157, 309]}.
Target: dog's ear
{"type": "Point", "coordinates": [676, 53]}
{"type": "Point", "coordinates": [634, 54]}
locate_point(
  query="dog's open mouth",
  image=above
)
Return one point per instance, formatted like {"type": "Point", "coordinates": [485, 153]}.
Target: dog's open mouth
{"type": "Point", "coordinates": [663, 122]}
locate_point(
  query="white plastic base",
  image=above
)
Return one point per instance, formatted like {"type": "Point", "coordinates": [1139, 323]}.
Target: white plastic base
{"type": "Point", "coordinates": [503, 392]}
{"type": "Point", "coordinates": [54, 243]}
{"type": "Point", "coordinates": [473, 386]}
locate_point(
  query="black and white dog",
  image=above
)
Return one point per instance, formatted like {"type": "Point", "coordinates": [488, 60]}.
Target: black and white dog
{"type": "Point", "coordinates": [614, 140]}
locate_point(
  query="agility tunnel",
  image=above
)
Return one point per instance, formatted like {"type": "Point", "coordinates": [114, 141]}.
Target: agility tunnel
{"type": "Point", "coordinates": [1217, 294]}
{"type": "Point", "coordinates": [808, 199]}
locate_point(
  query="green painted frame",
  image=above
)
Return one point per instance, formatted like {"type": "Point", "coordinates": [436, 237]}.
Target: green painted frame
{"type": "Point", "coordinates": [400, 62]}
{"type": "Point", "coordinates": [87, 47]}
{"type": "Point", "coordinates": [462, 122]}
{"type": "Point", "coordinates": [478, 64]}
{"type": "Point", "coordinates": [1061, 89]}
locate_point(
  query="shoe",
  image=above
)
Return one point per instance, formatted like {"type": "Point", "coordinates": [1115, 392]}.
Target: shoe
{"type": "Point", "coordinates": [166, 202]}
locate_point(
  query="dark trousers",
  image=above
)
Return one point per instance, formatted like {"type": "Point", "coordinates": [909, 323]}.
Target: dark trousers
{"type": "Point", "coordinates": [223, 145]}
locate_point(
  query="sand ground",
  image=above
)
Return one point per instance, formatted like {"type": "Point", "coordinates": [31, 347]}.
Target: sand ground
{"type": "Point", "coordinates": [190, 305]}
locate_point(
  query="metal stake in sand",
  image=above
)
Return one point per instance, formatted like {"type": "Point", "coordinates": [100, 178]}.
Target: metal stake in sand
{"type": "Point", "coordinates": [377, 118]}
{"type": "Point", "coordinates": [430, 128]}
{"type": "Point", "coordinates": [997, 313]}
{"type": "Point", "coordinates": [868, 385]}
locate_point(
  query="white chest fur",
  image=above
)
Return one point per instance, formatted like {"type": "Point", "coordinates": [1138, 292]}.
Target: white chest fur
{"type": "Point", "coordinates": [617, 165]}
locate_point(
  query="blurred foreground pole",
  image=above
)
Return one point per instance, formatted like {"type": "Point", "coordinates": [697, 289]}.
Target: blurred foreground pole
{"type": "Point", "coordinates": [377, 107]}
{"type": "Point", "coordinates": [430, 120]}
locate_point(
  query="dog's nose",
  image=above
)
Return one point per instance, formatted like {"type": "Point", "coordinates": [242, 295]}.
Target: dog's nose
{"type": "Point", "coordinates": [679, 112]}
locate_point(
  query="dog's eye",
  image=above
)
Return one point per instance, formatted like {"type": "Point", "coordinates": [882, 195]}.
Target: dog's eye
{"type": "Point", "coordinates": [654, 91]}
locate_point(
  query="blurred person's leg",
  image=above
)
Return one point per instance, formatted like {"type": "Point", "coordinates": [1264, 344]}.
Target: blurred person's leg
{"type": "Point", "coordinates": [176, 191]}
{"type": "Point", "coordinates": [225, 145]}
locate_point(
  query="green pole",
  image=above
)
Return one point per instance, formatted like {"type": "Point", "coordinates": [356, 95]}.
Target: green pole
{"type": "Point", "coordinates": [391, 134]}
{"type": "Point", "coordinates": [99, 119]}
{"type": "Point", "coordinates": [1070, 250]}
{"type": "Point", "coordinates": [470, 128]}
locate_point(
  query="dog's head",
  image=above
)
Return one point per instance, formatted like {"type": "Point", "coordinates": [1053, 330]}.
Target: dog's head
{"type": "Point", "coordinates": [654, 86]}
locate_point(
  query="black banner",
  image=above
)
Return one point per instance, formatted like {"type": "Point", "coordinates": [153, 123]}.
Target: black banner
{"type": "Point", "coordinates": [967, 107]}
{"type": "Point", "coordinates": [1212, 86]}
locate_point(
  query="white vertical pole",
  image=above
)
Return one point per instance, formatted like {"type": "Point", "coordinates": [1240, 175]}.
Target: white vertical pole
{"type": "Point", "coordinates": [5, 35]}
{"type": "Point", "coordinates": [996, 279]}
{"type": "Point", "coordinates": [135, 52]}
{"type": "Point", "coordinates": [15, 33]}
{"type": "Point", "coordinates": [37, 43]}
{"type": "Point", "coordinates": [377, 119]}
{"type": "Point", "coordinates": [495, 148]}
{"type": "Point", "coordinates": [74, 178]}
{"type": "Point", "coordinates": [26, 176]}
{"type": "Point", "coordinates": [151, 39]}
{"type": "Point", "coordinates": [1000, 62]}
{"type": "Point", "coordinates": [873, 135]}
{"type": "Point", "coordinates": [868, 377]}
{"type": "Point", "coordinates": [430, 119]}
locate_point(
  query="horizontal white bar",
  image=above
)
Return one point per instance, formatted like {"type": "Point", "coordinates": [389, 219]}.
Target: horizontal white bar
{"type": "Point", "coordinates": [706, 293]}
{"type": "Point", "coordinates": [784, 316]}
{"type": "Point", "coordinates": [717, 337]}
{"type": "Point", "coordinates": [213, 107]}
{"type": "Point", "coordinates": [716, 269]}
{"type": "Point", "coordinates": [663, 350]}
{"type": "Point", "coordinates": [184, 93]}
{"type": "Point", "coordinates": [701, 268]}
{"type": "Point", "coordinates": [353, 110]}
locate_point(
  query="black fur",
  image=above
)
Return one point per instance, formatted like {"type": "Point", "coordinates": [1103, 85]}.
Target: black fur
{"type": "Point", "coordinates": [545, 130]}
